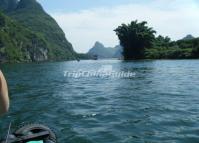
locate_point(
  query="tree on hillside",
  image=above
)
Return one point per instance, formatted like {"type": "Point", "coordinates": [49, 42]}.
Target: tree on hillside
{"type": "Point", "coordinates": [135, 37]}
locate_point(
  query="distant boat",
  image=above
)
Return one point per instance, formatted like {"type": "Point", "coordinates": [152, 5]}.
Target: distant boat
{"type": "Point", "coordinates": [95, 57]}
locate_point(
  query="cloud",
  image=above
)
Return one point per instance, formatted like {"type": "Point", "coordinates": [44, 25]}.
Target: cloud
{"type": "Point", "coordinates": [175, 19]}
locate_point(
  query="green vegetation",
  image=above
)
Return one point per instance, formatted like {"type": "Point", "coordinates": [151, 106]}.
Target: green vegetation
{"type": "Point", "coordinates": [18, 44]}
{"type": "Point", "coordinates": [30, 21]}
{"type": "Point", "coordinates": [134, 37]}
{"type": "Point", "coordinates": [139, 42]}
{"type": "Point", "coordinates": [30, 14]}
{"type": "Point", "coordinates": [29, 34]}
{"type": "Point", "coordinates": [164, 48]}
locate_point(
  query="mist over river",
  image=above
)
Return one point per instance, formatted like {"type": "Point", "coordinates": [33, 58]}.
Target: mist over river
{"type": "Point", "coordinates": [160, 104]}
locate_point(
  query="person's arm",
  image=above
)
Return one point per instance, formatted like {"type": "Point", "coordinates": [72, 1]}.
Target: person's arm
{"type": "Point", "coordinates": [4, 99]}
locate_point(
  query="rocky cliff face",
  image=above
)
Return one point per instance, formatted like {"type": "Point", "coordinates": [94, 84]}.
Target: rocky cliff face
{"type": "Point", "coordinates": [46, 39]}
{"type": "Point", "coordinates": [38, 52]}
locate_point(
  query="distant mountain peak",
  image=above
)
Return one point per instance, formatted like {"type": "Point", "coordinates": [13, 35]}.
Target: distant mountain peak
{"type": "Point", "coordinates": [98, 44]}
{"type": "Point", "coordinates": [188, 37]}
{"type": "Point", "coordinates": [105, 52]}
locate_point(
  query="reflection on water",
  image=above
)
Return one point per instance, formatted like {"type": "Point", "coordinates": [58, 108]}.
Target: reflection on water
{"type": "Point", "coordinates": [159, 104]}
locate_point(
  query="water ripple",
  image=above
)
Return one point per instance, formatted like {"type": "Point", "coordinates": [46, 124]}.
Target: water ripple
{"type": "Point", "coordinates": [159, 105]}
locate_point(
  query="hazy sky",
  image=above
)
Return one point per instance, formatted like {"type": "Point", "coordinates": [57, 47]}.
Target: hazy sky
{"type": "Point", "coordinates": [87, 21]}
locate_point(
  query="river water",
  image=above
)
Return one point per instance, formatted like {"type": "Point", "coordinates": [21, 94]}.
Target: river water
{"type": "Point", "coordinates": [160, 104]}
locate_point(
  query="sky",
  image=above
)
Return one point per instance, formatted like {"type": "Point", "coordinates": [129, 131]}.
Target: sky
{"type": "Point", "coordinates": [87, 21]}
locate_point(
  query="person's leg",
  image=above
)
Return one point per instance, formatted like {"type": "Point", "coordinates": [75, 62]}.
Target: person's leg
{"type": "Point", "coordinates": [4, 99]}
